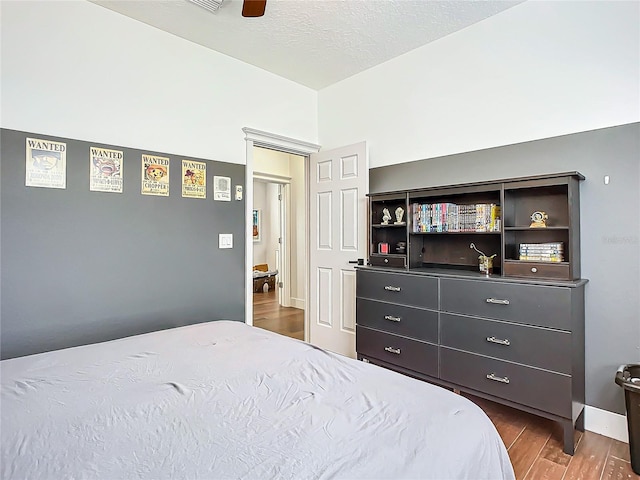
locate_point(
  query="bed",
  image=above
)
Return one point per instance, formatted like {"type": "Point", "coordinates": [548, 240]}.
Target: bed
{"type": "Point", "coordinates": [226, 400]}
{"type": "Point", "coordinates": [263, 276]}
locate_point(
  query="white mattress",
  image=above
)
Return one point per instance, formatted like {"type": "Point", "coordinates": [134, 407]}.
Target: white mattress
{"type": "Point", "coordinates": [225, 400]}
{"type": "Point", "coordinates": [261, 274]}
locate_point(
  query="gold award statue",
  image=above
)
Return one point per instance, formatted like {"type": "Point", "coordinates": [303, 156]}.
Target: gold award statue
{"type": "Point", "coordinates": [486, 261]}
{"type": "Point", "coordinates": [539, 220]}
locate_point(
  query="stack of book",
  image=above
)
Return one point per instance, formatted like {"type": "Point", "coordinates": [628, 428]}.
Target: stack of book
{"type": "Point", "coordinates": [542, 252]}
{"type": "Point", "coordinates": [450, 217]}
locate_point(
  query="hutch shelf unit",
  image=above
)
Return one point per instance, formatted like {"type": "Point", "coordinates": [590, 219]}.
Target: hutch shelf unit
{"type": "Point", "coordinates": [429, 305]}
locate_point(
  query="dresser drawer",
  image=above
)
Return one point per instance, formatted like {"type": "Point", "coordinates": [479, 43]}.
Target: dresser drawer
{"type": "Point", "coordinates": [414, 290]}
{"type": "Point", "coordinates": [399, 261]}
{"type": "Point", "coordinates": [531, 304]}
{"type": "Point", "coordinates": [404, 352]}
{"type": "Point", "coordinates": [408, 321]}
{"type": "Point", "coordinates": [547, 391]}
{"type": "Point", "coordinates": [515, 268]}
{"type": "Point", "coordinates": [538, 347]}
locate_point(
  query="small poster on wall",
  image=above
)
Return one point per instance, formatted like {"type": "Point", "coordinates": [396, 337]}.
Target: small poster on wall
{"type": "Point", "coordinates": [155, 175]}
{"type": "Point", "coordinates": [257, 228]}
{"type": "Point", "coordinates": [105, 169]}
{"type": "Point", "coordinates": [194, 179]}
{"type": "Point", "coordinates": [46, 164]}
{"type": "Point", "coordinates": [222, 188]}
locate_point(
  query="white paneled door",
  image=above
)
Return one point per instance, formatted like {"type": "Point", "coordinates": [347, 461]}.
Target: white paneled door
{"type": "Point", "coordinates": [338, 183]}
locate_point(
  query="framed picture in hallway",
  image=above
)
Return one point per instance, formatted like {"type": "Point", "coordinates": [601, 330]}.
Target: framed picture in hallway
{"type": "Point", "coordinates": [257, 230]}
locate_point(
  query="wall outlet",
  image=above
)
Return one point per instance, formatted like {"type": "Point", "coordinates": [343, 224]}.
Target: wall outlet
{"type": "Point", "coordinates": [225, 240]}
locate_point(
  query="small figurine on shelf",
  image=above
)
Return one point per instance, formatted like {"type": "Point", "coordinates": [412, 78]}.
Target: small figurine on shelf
{"type": "Point", "coordinates": [399, 215]}
{"type": "Point", "coordinates": [539, 220]}
{"type": "Point", "coordinates": [386, 216]}
{"type": "Point", "coordinates": [486, 262]}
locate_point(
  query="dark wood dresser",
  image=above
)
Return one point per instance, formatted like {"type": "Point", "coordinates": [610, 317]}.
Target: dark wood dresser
{"type": "Point", "coordinates": [515, 336]}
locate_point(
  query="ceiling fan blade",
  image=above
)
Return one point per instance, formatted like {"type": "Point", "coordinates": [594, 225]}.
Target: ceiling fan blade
{"type": "Point", "coordinates": [253, 8]}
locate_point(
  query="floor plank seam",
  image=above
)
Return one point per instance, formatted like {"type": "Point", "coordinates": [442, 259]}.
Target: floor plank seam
{"type": "Point", "coordinates": [537, 457]}
{"type": "Point", "coordinates": [517, 437]}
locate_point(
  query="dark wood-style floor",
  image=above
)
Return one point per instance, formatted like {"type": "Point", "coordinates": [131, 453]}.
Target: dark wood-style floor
{"type": "Point", "coordinates": [269, 315]}
{"type": "Point", "coordinates": [534, 443]}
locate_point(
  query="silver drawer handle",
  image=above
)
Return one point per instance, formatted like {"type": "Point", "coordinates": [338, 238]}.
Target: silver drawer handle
{"type": "Point", "coordinates": [391, 288]}
{"type": "Point", "coordinates": [493, 339]}
{"type": "Point", "coordinates": [497, 301]}
{"type": "Point", "coordinates": [392, 318]}
{"type": "Point", "coordinates": [492, 376]}
{"type": "Point", "coordinates": [392, 350]}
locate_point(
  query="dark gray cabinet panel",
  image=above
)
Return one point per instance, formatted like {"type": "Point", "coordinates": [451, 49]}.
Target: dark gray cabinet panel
{"type": "Point", "coordinates": [540, 389]}
{"type": "Point", "coordinates": [538, 347]}
{"type": "Point", "coordinates": [414, 290]}
{"type": "Point", "coordinates": [401, 351]}
{"type": "Point", "coordinates": [530, 304]}
{"type": "Point", "coordinates": [398, 319]}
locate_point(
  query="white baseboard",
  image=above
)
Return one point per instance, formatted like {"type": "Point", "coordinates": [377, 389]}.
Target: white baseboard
{"type": "Point", "coordinates": [606, 423]}
{"type": "Point", "coordinates": [297, 303]}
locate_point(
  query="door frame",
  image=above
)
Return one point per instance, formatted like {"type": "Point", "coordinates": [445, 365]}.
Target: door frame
{"type": "Point", "coordinates": [284, 206]}
{"type": "Point", "coordinates": [260, 138]}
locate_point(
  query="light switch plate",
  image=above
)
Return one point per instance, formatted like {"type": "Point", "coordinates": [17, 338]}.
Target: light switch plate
{"type": "Point", "coordinates": [225, 240]}
{"type": "Point", "coordinates": [238, 192]}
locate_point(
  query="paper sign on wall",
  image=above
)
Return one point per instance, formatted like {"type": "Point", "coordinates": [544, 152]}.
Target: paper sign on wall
{"type": "Point", "coordinates": [194, 179]}
{"type": "Point", "coordinates": [155, 175]}
{"type": "Point", "coordinates": [106, 174]}
{"type": "Point", "coordinates": [46, 164]}
{"type": "Point", "coordinates": [222, 188]}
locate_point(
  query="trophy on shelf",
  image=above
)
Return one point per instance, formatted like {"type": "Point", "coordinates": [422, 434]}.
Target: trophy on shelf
{"type": "Point", "coordinates": [486, 262]}
{"type": "Point", "coordinates": [539, 220]}
{"type": "Point", "coordinates": [399, 215]}
{"type": "Point", "coordinates": [386, 216]}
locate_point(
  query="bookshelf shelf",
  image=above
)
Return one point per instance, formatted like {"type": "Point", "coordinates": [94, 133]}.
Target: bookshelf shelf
{"type": "Point", "coordinates": [440, 220]}
{"type": "Point", "coordinates": [529, 229]}
{"type": "Point", "coordinates": [380, 225]}
{"type": "Point", "coordinates": [455, 233]}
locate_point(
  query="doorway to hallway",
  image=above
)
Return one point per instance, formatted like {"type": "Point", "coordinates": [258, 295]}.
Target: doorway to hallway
{"type": "Point", "coordinates": [279, 241]}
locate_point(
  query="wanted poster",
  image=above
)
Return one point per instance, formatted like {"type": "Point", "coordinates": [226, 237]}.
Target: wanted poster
{"type": "Point", "coordinates": [194, 179]}
{"type": "Point", "coordinates": [105, 170]}
{"type": "Point", "coordinates": [46, 164]}
{"type": "Point", "coordinates": [155, 175]}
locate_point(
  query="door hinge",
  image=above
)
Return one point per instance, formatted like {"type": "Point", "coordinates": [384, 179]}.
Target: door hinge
{"type": "Point", "coordinates": [280, 285]}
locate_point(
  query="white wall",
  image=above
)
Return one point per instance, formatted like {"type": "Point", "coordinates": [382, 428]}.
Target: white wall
{"type": "Point", "coordinates": [537, 70]}
{"type": "Point", "coordinates": [298, 236]}
{"type": "Point", "coordinates": [261, 202]}
{"type": "Point", "coordinates": [271, 224]}
{"type": "Point", "coordinates": [78, 70]}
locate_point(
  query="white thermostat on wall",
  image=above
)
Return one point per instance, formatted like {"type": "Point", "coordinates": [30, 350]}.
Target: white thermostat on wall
{"type": "Point", "coordinates": [238, 192]}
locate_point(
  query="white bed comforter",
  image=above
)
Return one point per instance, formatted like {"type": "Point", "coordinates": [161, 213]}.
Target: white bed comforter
{"type": "Point", "coordinates": [225, 400]}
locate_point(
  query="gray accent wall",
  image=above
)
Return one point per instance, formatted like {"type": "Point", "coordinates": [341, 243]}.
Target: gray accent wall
{"type": "Point", "coordinates": [81, 267]}
{"type": "Point", "coordinates": [609, 223]}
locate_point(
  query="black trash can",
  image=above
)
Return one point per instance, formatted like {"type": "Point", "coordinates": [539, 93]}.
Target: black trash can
{"type": "Point", "coordinates": [628, 377]}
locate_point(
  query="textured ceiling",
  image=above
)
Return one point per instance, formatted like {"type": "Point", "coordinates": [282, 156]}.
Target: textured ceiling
{"type": "Point", "coordinates": [313, 42]}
